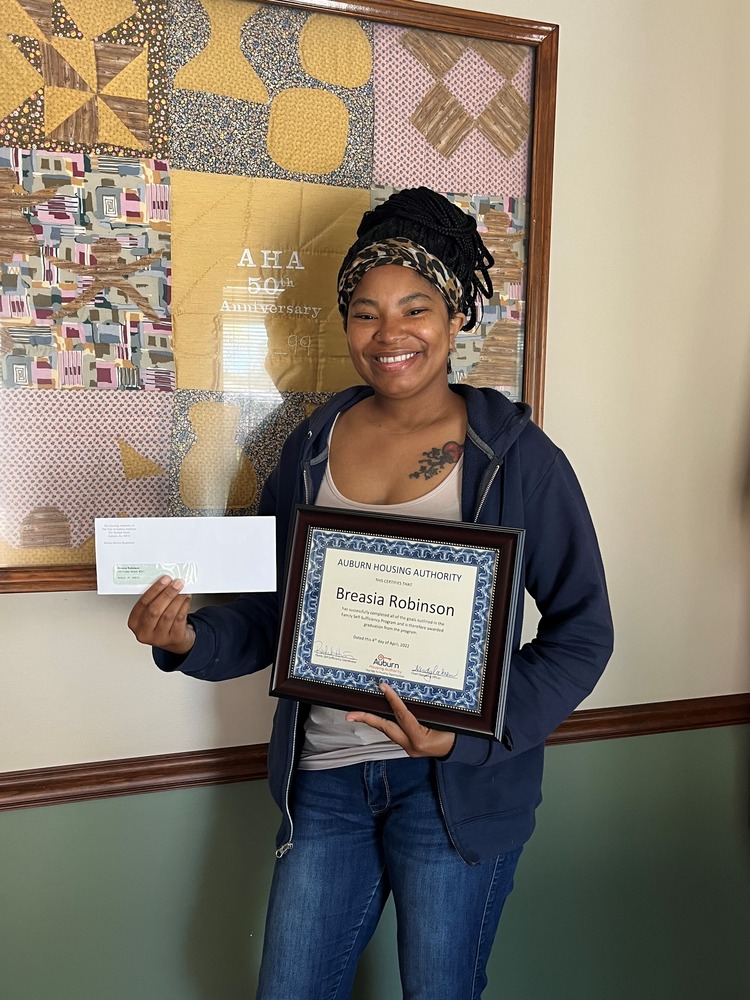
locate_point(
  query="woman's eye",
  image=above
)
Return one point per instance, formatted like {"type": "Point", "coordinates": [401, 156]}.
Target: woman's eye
{"type": "Point", "coordinates": [417, 311]}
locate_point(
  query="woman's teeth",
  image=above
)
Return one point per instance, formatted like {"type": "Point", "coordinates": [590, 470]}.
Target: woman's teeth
{"type": "Point", "coordinates": [395, 359]}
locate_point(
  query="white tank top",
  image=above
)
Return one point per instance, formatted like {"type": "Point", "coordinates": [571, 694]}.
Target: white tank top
{"type": "Point", "coordinates": [331, 741]}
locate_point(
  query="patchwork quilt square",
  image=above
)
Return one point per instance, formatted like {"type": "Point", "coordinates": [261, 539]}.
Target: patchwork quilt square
{"type": "Point", "coordinates": [84, 76]}
{"type": "Point", "coordinates": [84, 272]}
{"type": "Point", "coordinates": [70, 457]}
{"type": "Point", "coordinates": [272, 92]}
{"type": "Point", "coordinates": [451, 113]}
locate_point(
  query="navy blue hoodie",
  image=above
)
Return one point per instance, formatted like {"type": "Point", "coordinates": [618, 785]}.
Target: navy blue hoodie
{"type": "Point", "coordinates": [514, 476]}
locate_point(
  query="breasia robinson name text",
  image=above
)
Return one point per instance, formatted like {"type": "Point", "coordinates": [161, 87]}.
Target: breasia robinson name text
{"type": "Point", "coordinates": [394, 601]}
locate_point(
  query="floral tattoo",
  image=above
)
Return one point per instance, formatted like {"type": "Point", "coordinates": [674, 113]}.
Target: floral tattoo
{"type": "Point", "coordinates": [434, 461]}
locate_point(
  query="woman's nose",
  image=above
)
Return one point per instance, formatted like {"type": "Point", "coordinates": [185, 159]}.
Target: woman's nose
{"type": "Point", "coordinates": [389, 329]}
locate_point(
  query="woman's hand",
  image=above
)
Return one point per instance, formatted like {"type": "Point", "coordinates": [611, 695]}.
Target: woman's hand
{"type": "Point", "coordinates": [159, 617]}
{"type": "Point", "coordinates": [416, 739]}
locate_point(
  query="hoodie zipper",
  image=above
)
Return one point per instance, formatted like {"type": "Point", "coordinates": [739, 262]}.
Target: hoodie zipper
{"type": "Point", "coordinates": [306, 481]}
{"type": "Point", "coordinates": [487, 489]}
{"type": "Point", "coordinates": [281, 851]}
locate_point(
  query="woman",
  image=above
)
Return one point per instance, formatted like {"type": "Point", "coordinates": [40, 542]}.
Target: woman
{"type": "Point", "coordinates": [372, 805]}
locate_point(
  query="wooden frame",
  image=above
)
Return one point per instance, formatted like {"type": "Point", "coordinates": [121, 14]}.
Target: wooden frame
{"type": "Point", "coordinates": [542, 39]}
{"type": "Point", "coordinates": [474, 703]}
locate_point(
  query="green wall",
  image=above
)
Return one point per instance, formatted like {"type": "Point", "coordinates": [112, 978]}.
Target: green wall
{"type": "Point", "coordinates": [636, 885]}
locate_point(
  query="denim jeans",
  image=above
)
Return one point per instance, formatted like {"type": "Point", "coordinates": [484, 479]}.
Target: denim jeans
{"type": "Point", "coordinates": [361, 832]}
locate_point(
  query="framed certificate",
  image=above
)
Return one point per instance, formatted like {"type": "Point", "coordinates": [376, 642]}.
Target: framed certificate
{"type": "Point", "coordinates": [427, 606]}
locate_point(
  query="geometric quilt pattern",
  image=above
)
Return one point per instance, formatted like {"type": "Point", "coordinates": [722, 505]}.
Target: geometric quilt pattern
{"type": "Point", "coordinates": [70, 457]}
{"type": "Point", "coordinates": [270, 92]}
{"type": "Point", "coordinates": [84, 272]}
{"type": "Point", "coordinates": [81, 75]}
{"type": "Point", "coordinates": [451, 113]}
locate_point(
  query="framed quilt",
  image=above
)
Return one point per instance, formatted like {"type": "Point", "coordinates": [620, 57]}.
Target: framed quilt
{"type": "Point", "coordinates": [178, 185]}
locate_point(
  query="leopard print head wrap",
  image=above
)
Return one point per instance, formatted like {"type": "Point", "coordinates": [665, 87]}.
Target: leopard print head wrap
{"type": "Point", "coordinates": [401, 251]}
{"type": "Point", "coordinates": [421, 229]}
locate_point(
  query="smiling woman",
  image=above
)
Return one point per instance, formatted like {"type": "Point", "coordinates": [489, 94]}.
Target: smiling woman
{"type": "Point", "coordinates": [399, 334]}
{"type": "Point", "coordinates": [374, 805]}
{"type": "Point", "coordinates": [409, 284]}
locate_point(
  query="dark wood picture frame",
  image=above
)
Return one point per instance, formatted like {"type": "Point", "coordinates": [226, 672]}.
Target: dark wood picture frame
{"type": "Point", "coordinates": [493, 615]}
{"type": "Point", "coordinates": [542, 38]}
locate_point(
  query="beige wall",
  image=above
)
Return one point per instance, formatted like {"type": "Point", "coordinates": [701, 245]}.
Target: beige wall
{"type": "Point", "coordinates": [648, 370]}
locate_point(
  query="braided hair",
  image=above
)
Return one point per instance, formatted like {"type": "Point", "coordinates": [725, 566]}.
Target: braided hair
{"type": "Point", "coordinates": [430, 220]}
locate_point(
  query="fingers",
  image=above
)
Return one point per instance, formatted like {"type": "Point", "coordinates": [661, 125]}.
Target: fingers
{"type": "Point", "coordinates": [391, 729]}
{"type": "Point", "coordinates": [175, 620]}
{"type": "Point", "coordinates": [150, 606]}
{"type": "Point", "coordinates": [404, 717]}
{"type": "Point", "coordinates": [406, 731]}
{"type": "Point", "coordinates": [157, 588]}
{"type": "Point", "coordinates": [374, 721]}
{"type": "Point", "coordinates": [159, 617]}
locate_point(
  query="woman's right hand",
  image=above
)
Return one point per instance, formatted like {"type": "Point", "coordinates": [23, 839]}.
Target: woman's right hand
{"type": "Point", "coordinates": [159, 617]}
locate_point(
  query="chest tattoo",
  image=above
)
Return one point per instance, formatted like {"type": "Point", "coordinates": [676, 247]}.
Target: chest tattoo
{"type": "Point", "coordinates": [435, 460]}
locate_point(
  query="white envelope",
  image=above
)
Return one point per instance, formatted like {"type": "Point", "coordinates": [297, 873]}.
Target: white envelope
{"type": "Point", "coordinates": [213, 555]}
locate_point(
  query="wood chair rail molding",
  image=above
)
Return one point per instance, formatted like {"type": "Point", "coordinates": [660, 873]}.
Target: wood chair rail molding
{"type": "Point", "coordinates": [80, 782]}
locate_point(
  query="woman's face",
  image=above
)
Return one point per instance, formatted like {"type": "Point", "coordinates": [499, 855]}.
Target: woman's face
{"type": "Point", "coordinates": [399, 333]}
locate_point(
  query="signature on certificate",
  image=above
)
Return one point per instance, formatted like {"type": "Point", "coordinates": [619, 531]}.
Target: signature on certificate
{"type": "Point", "coordinates": [435, 673]}
{"type": "Point", "coordinates": [334, 653]}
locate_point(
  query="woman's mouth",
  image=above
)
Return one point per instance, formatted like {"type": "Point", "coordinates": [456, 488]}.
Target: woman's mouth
{"type": "Point", "coordinates": [395, 359]}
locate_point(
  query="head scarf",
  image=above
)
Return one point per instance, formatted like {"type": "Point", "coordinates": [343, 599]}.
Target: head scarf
{"type": "Point", "coordinates": [404, 252]}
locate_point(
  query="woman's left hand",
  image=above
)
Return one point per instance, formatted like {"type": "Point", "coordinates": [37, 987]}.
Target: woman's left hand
{"type": "Point", "coordinates": [416, 739]}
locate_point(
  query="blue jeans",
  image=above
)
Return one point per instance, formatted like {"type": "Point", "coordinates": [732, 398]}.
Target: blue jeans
{"type": "Point", "coordinates": [361, 832]}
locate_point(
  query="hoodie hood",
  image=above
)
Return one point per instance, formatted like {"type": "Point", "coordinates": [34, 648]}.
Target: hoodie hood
{"type": "Point", "coordinates": [501, 421]}
{"type": "Point", "coordinates": [494, 424]}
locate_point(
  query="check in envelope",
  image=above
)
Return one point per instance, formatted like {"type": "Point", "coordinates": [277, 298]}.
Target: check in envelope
{"type": "Point", "coordinates": [213, 555]}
